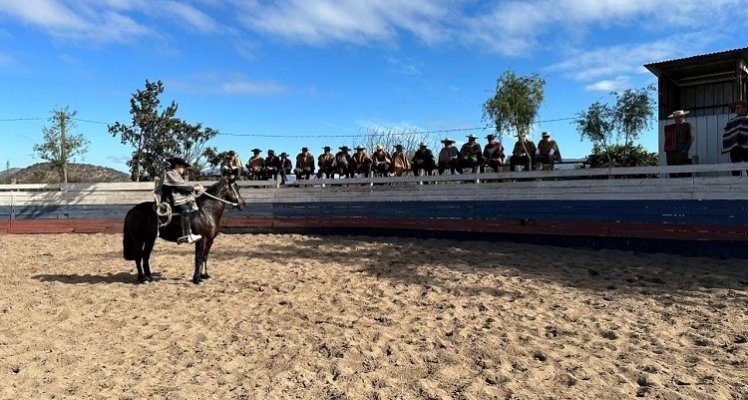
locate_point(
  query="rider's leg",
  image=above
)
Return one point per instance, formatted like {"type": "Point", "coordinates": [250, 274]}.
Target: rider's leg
{"type": "Point", "coordinates": [184, 214]}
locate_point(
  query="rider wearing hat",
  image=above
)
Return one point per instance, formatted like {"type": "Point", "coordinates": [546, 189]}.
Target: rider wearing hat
{"type": "Point", "coordinates": [423, 159]}
{"type": "Point", "coordinates": [181, 196]}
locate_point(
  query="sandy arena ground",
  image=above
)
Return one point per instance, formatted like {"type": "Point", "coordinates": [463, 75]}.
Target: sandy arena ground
{"type": "Point", "coordinates": [289, 316]}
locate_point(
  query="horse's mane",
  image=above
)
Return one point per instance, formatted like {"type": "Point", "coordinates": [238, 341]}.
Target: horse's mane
{"type": "Point", "coordinates": [213, 189]}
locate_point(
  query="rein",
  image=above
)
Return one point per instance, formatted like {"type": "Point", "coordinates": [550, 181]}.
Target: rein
{"type": "Point", "coordinates": [219, 199]}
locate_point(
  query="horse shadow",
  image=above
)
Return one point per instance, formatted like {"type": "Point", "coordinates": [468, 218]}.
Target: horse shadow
{"type": "Point", "coordinates": [79, 279]}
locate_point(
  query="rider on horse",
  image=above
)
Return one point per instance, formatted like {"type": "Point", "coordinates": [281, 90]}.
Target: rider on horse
{"type": "Point", "coordinates": [181, 195]}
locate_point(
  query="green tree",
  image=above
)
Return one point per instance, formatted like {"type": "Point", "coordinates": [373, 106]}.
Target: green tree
{"type": "Point", "coordinates": [617, 154]}
{"type": "Point", "coordinates": [59, 146]}
{"type": "Point", "coordinates": [514, 106]}
{"type": "Point", "coordinates": [157, 134]}
{"type": "Point", "coordinates": [633, 113]}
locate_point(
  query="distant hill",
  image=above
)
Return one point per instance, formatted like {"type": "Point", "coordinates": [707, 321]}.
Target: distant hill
{"type": "Point", "coordinates": [8, 172]}
{"type": "Point", "coordinates": [43, 173]}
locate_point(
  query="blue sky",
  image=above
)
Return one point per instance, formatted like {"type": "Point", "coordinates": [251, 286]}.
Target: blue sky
{"type": "Point", "coordinates": [300, 70]}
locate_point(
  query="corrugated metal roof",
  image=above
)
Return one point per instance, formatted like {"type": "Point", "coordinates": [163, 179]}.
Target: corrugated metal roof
{"type": "Point", "coordinates": [701, 64]}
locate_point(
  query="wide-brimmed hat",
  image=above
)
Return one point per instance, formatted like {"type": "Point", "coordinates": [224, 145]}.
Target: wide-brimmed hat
{"type": "Point", "coordinates": [344, 148]}
{"type": "Point", "coordinates": [678, 113]}
{"type": "Point", "coordinates": [423, 144]}
{"type": "Point", "coordinates": [359, 147]}
{"type": "Point", "coordinates": [177, 161]}
{"type": "Point", "coordinates": [326, 148]}
{"type": "Point", "coordinates": [379, 147]}
{"type": "Point", "coordinates": [489, 137]}
{"type": "Point", "coordinates": [304, 149]}
{"type": "Point", "coordinates": [546, 134]}
{"type": "Point", "coordinates": [398, 146]}
{"type": "Point", "coordinates": [471, 136]}
{"type": "Point", "coordinates": [283, 155]}
{"type": "Point", "coordinates": [271, 151]}
{"type": "Point", "coordinates": [256, 151]}
{"type": "Point", "coordinates": [447, 140]}
{"type": "Point", "coordinates": [232, 153]}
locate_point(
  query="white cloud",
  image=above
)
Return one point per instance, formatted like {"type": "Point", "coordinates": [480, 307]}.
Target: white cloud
{"type": "Point", "coordinates": [231, 84]}
{"type": "Point", "coordinates": [629, 58]}
{"type": "Point", "coordinates": [324, 21]}
{"type": "Point", "coordinates": [610, 85]}
{"type": "Point", "coordinates": [190, 15]}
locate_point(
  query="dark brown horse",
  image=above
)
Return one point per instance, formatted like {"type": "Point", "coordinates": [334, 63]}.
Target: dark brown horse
{"type": "Point", "coordinates": [141, 229]}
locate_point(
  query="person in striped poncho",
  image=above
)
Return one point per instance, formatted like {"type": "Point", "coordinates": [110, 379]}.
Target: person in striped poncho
{"type": "Point", "coordinates": [735, 138]}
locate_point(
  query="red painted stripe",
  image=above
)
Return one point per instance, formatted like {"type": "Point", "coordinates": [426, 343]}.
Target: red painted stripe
{"type": "Point", "coordinates": [575, 228]}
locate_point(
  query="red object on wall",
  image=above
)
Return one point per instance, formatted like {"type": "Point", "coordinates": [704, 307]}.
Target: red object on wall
{"type": "Point", "coordinates": [670, 137]}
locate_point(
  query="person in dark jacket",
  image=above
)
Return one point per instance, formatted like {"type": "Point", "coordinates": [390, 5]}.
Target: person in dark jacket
{"type": "Point", "coordinates": [181, 196]}
{"type": "Point", "coordinates": [493, 153]}
{"type": "Point", "coordinates": [678, 140]}
{"type": "Point", "coordinates": [423, 160]}
{"type": "Point", "coordinates": [272, 166]}
{"type": "Point", "coordinates": [324, 162]}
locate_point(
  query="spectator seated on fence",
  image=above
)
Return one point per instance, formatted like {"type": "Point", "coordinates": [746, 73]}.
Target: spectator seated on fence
{"type": "Point", "coordinates": [471, 155]}
{"type": "Point", "coordinates": [547, 152]}
{"type": "Point", "coordinates": [448, 157]}
{"type": "Point", "coordinates": [232, 165]}
{"type": "Point", "coordinates": [735, 138]}
{"type": "Point", "coordinates": [272, 166]}
{"type": "Point", "coordinates": [423, 160]}
{"type": "Point", "coordinates": [523, 153]}
{"type": "Point", "coordinates": [256, 166]}
{"type": "Point", "coordinates": [493, 154]}
{"type": "Point", "coordinates": [361, 163]}
{"type": "Point", "coordinates": [381, 161]}
{"type": "Point", "coordinates": [304, 164]}
{"type": "Point", "coordinates": [342, 162]}
{"type": "Point", "coordinates": [400, 162]}
{"type": "Point", "coordinates": [324, 162]}
{"type": "Point", "coordinates": [285, 167]}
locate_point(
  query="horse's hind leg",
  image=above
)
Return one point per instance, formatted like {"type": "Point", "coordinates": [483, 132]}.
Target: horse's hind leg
{"type": "Point", "coordinates": [147, 249]}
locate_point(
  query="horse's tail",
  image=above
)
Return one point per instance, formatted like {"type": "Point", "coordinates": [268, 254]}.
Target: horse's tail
{"type": "Point", "coordinates": [129, 248]}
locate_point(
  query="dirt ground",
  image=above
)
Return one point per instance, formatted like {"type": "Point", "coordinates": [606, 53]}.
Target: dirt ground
{"type": "Point", "coordinates": [290, 316]}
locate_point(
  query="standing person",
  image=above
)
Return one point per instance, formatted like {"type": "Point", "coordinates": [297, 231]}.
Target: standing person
{"type": "Point", "coordinates": [256, 166]}
{"type": "Point", "coordinates": [304, 164]}
{"type": "Point", "coordinates": [423, 160]}
{"type": "Point", "coordinates": [324, 162]}
{"type": "Point", "coordinates": [233, 164]}
{"type": "Point", "coordinates": [470, 155]}
{"type": "Point", "coordinates": [448, 157]}
{"type": "Point", "coordinates": [342, 162]}
{"type": "Point", "coordinates": [361, 163]}
{"type": "Point", "coordinates": [547, 151]}
{"type": "Point", "coordinates": [678, 140]}
{"type": "Point", "coordinates": [181, 196]}
{"type": "Point", "coordinates": [400, 162]}
{"type": "Point", "coordinates": [493, 153]}
{"type": "Point", "coordinates": [523, 153]}
{"type": "Point", "coordinates": [381, 161]}
{"type": "Point", "coordinates": [735, 138]}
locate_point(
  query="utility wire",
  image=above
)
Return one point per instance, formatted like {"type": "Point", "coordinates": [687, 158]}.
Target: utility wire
{"type": "Point", "coordinates": [277, 136]}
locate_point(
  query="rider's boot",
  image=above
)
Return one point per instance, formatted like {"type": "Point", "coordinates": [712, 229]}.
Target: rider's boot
{"type": "Point", "coordinates": [187, 236]}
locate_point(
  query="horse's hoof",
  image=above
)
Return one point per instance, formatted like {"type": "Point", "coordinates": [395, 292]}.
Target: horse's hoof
{"type": "Point", "coordinates": [197, 281]}
{"type": "Point", "coordinates": [205, 276]}
{"type": "Point", "coordinates": [149, 278]}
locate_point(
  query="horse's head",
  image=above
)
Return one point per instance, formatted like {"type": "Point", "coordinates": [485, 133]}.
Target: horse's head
{"type": "Point", "coordinates": [234, 193]}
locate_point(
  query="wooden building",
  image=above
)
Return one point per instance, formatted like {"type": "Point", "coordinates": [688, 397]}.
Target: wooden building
{"type": "Point", "coordinates": [706, 85]}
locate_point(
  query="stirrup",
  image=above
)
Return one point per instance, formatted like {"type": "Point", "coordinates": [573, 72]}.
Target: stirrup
{"type": "Point", "coordinates": [191, 238]}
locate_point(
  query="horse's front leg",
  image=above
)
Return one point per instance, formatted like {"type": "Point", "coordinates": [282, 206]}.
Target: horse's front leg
{"type": "Point", "coordinates": [199, 252]}
{"type": "Point", "coordinates": [208, 245]}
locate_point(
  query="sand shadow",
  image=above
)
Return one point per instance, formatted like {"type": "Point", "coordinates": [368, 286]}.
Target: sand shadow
{"type": "Point", "coordinates": [77, 279]}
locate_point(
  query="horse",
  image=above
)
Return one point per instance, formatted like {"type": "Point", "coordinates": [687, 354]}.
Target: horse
{"type": "Point", "coordinates": [141, 228]}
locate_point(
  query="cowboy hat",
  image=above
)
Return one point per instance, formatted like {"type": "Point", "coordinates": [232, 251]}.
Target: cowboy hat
{"type": "Point", "coordinates": [447, 140]}
{"type": "Point", "coordinates": [177, 161]}
{"type": "Point", "coordinates": [304, 149]}
{"type": "Point", "coordinates": [359, 147]}
{"type": "Point", "coordinates": [398, 146]}
{"type": "Point", "coordinates": [489, 137]}
{"type": "Point", "coordinates": [546, 134]}
{"type": "Point", "coordinates": [326, 148]}
{"type": "Point", "coordinates": [256, 151]}
{"type": "Point", "coordinates": [380, 147]}
{"type": "Point", "coordinates": [423, 144]}
{"type": "Point", "coordinates": [271, 151]}
{"type": "Point", "coordinates": [231, 153]}
{"type": "Point", "coordinates": [678, 113]}
{"type": "Point", "coordinates": [344, 148]}
{"type": "Point", "coordinates": [471, 136]}
{"type": "Point", "coordinates": [283, 155]}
